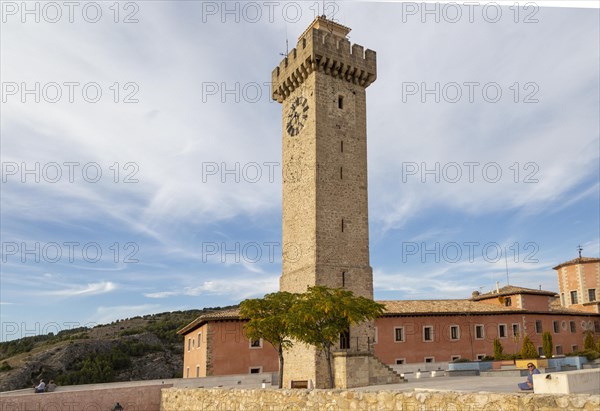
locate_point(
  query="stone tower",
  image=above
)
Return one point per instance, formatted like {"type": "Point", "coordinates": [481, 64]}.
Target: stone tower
{"type": "Point", "coordinates": [321, 85]}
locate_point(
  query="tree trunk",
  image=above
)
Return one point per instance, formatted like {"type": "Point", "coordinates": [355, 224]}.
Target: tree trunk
{"type": "Point", "coordinates": [329, 367]}
{"type": "Point", "coordinates": [280, 367]}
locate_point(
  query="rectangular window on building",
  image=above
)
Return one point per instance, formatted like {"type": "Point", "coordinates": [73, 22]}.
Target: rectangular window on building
{"type": "Point", "coordinates": [556, 326]}
{"type": "Point", "coordinates": [559, 350]}
{"type": "Point", "coordinates": [515, 330]}
{"type": "Point", "coordinates": [502, 330]}
{"type": "Point", "coordinates": [400, 361]}
{"type": "Point", "coordinates": [429, 359]}
{"type": "Point", "coordinates": [540, 351]}
{"type": "Point", "coordinates": [199, 339]}
{"type": "Point", "coordinates": [574, 348]}
{"type": "Point", "coordinates": [427, 333]}
{"type": "Point", "coordinates": [189, 344]}
{"type": "Point", "coordinates": [255, 370]}
{"type": "Point", "coordinates": [573, 326]}
{"type": "Point", "coordinates": [455, 357]}
{"type": "Point", "coordinates": [480, 357]}
{"type": "Point", "coordinates": [562, 299]}
{"type": "Point", "coordinates": [399, 334]}
{"type": "Point", "coordinates": [197, 371]}
{"type": "Point", "coordinates": [592, 294]}
{"type": "Point", "coordinates": [479, 334]}
{"type": "Point", "coordinates": [574, 297]}
{"type": "Point", "coordinates": [187, 372]}
{"type": "Point", "coordinates": [507, 301]}
{"type": "Point", "coordinates": [538, 327]}
{"type": "Point", "coordinates": [454, 332]}
{"type": "Point", "coordinates": [256, 343]}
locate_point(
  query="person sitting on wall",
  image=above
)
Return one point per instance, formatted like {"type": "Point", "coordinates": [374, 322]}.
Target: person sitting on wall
{"type": "Point", "coordinates": [41, 387]}
{"type": "Point", "coordinates": [528, 385]}
{"type": "Point", "coordinates": [51, 386]}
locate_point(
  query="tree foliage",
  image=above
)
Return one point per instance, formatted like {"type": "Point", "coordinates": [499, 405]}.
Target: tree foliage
{"type": "Point", "coordinates": [269, 320]}
{"type": "Point", "coordinates": [317, 317]}
{"type": "Point", "coordinates": [320, 315]}
{"type": "Point", "coordinates": [547, 344]}
{"type": "Point", "coordinates": [528, 349]}
{"type": "Point", "coordinates": [100, 367]}
{"type": "Point", "coordinates": [498, 349]}
{"type": "Point", "coordinates": [588, 342]}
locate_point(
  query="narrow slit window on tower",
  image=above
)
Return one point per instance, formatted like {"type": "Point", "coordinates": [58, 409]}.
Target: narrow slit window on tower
{"type": "Point", "coordinates": [343, 279]}
{"type": "Point", "coordinates": [342, 146]}
{"type": "Point", "coordinates": [340, 102]}
{"type": "Point", "coordinates": [341, 173]}
{"type": "Point", "coordinates": [345, 340]}
{"type": "Point", "coordinates": [342, 225]}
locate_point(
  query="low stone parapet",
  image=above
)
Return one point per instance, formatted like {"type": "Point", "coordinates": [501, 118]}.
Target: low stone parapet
{"type": "Point", "coordinates": [96, 397]}
{"type": "Point", "coordinates": [570, 382]}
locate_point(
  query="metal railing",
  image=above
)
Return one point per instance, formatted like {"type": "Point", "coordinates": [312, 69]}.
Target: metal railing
{"type": "Point", "coordinates": [355, 344]}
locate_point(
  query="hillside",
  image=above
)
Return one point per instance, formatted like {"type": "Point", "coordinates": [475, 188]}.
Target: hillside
{"type": "Point", "coordinates": [139, 348]}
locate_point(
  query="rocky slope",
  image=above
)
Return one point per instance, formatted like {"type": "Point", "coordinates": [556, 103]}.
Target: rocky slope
{"type": "Point", "coordinates": [140, 348]}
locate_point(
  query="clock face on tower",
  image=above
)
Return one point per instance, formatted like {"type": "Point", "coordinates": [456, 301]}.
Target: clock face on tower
{"type": "Point", "coordinates": [297, 116]}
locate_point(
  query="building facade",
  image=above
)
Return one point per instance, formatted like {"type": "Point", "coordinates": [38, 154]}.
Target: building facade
{"type": "Point", "coordinates": [417, 331]}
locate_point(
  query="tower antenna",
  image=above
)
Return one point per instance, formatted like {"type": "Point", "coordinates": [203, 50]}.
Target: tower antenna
{"type": "Point", "coordinates": [580, 249]}
{"type": "Point", "coordinates": [286, 44]}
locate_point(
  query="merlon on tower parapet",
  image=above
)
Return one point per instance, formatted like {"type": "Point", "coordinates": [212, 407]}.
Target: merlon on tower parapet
{"type": "Point", "coordinates": [323, 48]}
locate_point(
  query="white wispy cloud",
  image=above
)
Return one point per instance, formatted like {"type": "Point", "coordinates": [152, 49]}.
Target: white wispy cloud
{"type": "Point", "coordinates": [236, 288]}
{"type": "Point", "coordinates": [84, 290]}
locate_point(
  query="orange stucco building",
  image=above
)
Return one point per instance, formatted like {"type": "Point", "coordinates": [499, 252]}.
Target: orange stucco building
{"type": "Point", "coordinates": [578, 281]}
{"type": "Point", "coordinates": [420, 331]}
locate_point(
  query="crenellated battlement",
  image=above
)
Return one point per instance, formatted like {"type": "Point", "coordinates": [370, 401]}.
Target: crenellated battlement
{"type": "Point", "coordinates": [323, 49]}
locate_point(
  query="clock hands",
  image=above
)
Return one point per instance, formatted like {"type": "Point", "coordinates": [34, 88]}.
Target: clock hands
{"type": "Point", "coordinates": [297, 116]}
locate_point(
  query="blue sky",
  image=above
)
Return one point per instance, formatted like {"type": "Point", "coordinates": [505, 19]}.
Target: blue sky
{"type": "Point", "coordinates": [186, 212]}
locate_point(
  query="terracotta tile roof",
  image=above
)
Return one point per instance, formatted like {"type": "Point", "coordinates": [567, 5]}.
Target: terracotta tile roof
{"type": "Point", "coordinates": [556, 307]}
{"type": "Point", "coordinates": [403, 307]}
{"type": "Point", "coordinates": [511, 290]}
{"type": "Point", "coordinates": [414, 307]}
{"type": "Point", "coordinates": [225, 314]}
{"type": "Point", "coordinates": [578, 260]}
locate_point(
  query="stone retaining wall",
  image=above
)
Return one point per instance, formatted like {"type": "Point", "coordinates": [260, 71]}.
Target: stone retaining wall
{"type": "Point", "coordinates": [139, 398]}
{"type": "Point", "coordinates": [174, 399]}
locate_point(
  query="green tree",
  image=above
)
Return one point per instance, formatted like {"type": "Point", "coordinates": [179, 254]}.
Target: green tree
{"type": "Point", "coordinates": [528, 349]}
{"type": "Point", "coordinates": [268, 319]}
{"type": "Point", "coordinates": [588, 342]}
{"type": "Point", "coordinates": [320, 315]}
{"type": "Point", "coordinates": [498, 349]}
{"type": "Point", "coordinates": [547, 344]}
